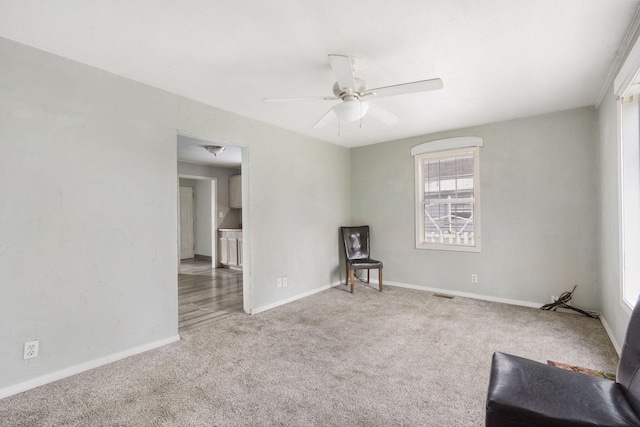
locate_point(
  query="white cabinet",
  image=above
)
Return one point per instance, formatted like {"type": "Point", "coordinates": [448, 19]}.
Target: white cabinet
{"type": "Point", "coordinates": [233, 251]}
{"type": "Point", "coordinates": [230, 247]}
{"type": "Point", "coordinates": [235, 191]}
{"type": "Point", "coordinates": [224, 251]}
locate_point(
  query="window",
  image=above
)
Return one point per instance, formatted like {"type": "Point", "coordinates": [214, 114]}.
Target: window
{"type": "Point", "coordinates": [630, 200]}
{"type": "Point", "coordinates": [627, 90]}
{"type": "Point", "coordinates": [448, 198]}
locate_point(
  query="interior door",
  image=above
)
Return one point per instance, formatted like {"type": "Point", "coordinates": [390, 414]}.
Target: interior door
{"type": "Point", "coordinates": [186, 223]}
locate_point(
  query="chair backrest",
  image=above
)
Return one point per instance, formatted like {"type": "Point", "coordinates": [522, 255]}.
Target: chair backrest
{"type": "Point", "coordinates": [356, 242]}
{"type": "Point", "coordinates": [628, 369]}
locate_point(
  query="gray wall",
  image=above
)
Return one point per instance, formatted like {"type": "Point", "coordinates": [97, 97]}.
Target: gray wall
{"type": "Point", "coordinates": [295, 197]}
{"type": "Point", "coordinates": [539, 211]}
{"type": "Point", "coordinates": [88, 219]}
{"type": "Point", "coordinates": [231, 218]}
{"type": "Point", "coordinates": [88, 230]}
{"type": "Point", "coordinates": [184, 182]}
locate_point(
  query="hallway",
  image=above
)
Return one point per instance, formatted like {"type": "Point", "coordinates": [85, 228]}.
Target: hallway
{"type": "Point", "coordinates": [206, 294]}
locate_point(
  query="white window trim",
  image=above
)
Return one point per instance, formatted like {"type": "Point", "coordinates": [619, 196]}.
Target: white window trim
{"type": "Point", "coordinates": [626, 201]}
{"type": "Point", "coordinates": [447, 144]}
{"type": "Point", "coordinates": [449, 147]}
{"type": "Point", "coordinates": [628, 74]}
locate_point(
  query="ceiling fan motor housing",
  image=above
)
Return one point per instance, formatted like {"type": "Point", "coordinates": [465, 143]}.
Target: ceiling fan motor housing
{"type": "Point", "coordinates": [360, 88]}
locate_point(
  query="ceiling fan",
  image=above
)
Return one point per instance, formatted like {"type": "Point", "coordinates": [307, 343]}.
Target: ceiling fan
{"type": "Point", "coordinates": [355, 96]}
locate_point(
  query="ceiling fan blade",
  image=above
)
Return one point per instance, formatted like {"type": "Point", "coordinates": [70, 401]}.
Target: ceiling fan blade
{"type": "Point", "coordinates": [382, 114]}
{"type": "Point", "coordinates": [302, 98]}
{"type": "Point", "coordinates": [343, 70]}
{"type": "Point", "coordinates": [401, 89]}
{"type": "Point", "coordinates": [328, 116]}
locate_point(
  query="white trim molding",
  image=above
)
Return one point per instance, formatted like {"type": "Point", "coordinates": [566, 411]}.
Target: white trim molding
{"type": "Point", "coordinates": [622, 53]}
{"type": "Point", "coordinates": [480, 297]}
{"type": "Point", "coordinates": [447, 144]}
{"type": "Point", "coordinates": [628, 71]}
{"type": "Point", "coordinates": [521, 303]}
{"type": "Point", "coordinates": [76, 369]}
{"type": "Point", "coordinates": [294, 298]}
{"type": "Point", "coordinates": [612, 337]}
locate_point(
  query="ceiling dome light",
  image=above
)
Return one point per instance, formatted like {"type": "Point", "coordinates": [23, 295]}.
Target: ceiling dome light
{"type": "Point", "coordinates": [351, 110]}
{"type": "Point", "coordinates": [214, 149]}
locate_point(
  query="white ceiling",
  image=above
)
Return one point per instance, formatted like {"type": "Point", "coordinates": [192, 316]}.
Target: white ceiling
{"type": "Point", "coordinates": [498, 59]}
{"type": "Point", "coordinates": [192, 150]}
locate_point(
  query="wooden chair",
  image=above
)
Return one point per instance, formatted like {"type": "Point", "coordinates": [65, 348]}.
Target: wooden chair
{"type": "Point", "coordinates": [356, 253]}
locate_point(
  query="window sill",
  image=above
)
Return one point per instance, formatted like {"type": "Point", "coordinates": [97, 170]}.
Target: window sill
{"type": "Point", "coordinates": [437, 247]}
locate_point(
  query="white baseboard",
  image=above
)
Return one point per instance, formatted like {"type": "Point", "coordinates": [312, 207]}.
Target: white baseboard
{"type": "Point", "coordinates": [464, 294]}
{"type": "Point", "coordinates": [504, 301]}
{"type": "Point", "coordinates": [67, 372]}
{"type": "Point", "coordinates": [611, 336]}
{"type": "Point", "coordinates": [294, 298]}
{"type": "Point", "coordinates": [72, 370]}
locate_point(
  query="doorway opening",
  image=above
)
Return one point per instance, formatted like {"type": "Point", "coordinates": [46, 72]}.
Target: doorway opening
{"type": "Point", "coordinates": [197, 212]}
{"type": "Point", "coordinates": [210, 282]}
{"type": "Point", "coordinates": [206, 293]}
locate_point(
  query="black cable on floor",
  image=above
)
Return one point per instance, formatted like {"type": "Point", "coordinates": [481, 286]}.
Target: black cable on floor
{"type": "Point", "coordinates": [562, 302]}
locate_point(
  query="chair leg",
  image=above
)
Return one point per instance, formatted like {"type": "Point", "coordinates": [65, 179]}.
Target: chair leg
{"type": "Point", "coordinates": [352, 276]}
{"type": "Point", "coordinates": [368, 275]}
{"type": "Point", "coordinates": [346, 276]}
{"type": "Point", "coordinates": [380, 278]}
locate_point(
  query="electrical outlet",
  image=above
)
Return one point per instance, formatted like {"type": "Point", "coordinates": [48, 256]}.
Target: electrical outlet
{"type": "Point", "coordinates": [279, 282]}
{"type": "Point", "coordinates": [474, 278]}
{"type": "Point", "coordinates": [285, 282]}
{"type": "Point", "coordinates": [30, 349]}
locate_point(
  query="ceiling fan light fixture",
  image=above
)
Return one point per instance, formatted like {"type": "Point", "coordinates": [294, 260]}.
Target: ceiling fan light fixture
{"type": "Point", "coordinates": [351, 90]}
{"type": "Point", "coordinates": [351, 110]}
{"type": "Point", "coordinates": [214, 149]}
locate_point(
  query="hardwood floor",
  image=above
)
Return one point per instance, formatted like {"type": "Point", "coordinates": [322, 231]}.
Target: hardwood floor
{"type": "Point", "coordinates": [206, 294]}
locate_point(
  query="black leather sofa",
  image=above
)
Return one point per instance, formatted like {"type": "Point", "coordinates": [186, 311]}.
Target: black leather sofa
{"type": "Point", "coordinates": [527, 393]}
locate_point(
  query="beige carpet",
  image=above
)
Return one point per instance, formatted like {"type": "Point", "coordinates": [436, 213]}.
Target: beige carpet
{"type": "Point", "coordinates": [397, 358]}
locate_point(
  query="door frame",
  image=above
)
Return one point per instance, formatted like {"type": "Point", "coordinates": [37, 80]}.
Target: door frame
{"type": "Point", "coordinates": [247, 285]}
{"type": "Point", "coordinates": [213, 216]}
{"type": "Point", "coordinates": [180, 213]}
